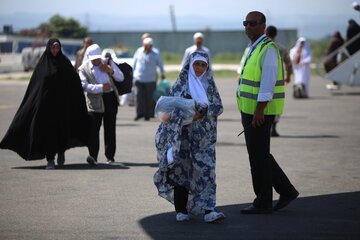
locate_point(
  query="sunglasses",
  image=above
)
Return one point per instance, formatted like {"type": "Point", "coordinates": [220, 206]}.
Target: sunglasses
{"type": "Point", "coordinates": [251, 23]}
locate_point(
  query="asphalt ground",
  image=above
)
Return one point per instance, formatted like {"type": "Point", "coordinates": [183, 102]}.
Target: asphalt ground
{"type": "Point", "coordinates": [319, 149]}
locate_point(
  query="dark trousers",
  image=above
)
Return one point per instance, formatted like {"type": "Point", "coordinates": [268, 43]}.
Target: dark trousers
{"type": "Point", "coordinates": [145, 103]}
{"type": "Point", "coordinates": [265, 172]}
{"type": "Point", "coordinates": [51, 156]}
{"type": "Point", "coordinates": [109, 118]}
{"type": "Point", "coordinates": [181, 196]}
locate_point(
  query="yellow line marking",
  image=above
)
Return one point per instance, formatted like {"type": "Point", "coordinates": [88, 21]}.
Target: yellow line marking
{"type": "Point", "coordinates": [6, 107]}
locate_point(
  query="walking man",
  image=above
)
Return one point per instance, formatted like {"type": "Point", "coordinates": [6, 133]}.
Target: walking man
{"type": "Point", "coordinates": [102, 98]}
{"type": "Point", "coordinates": [146, 61]}
{"type": "Point", "coordinates": [80, 54]}
{"type": "Point", "coordinates": [271, 32]}
{"type": "Point", "coordinates": [198, 47]}
{"type": "Point", "coordinates": [260, 97]}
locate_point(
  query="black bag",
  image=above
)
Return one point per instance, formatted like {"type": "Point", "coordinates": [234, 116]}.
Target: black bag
{"type": "Point", "coordinates": [126, 85]}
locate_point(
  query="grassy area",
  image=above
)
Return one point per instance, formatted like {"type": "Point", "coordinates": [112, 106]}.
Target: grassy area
{"type": "Point", "coordinates": [221, 58]}
{"type": "Point", "coordinates": [172, 75]}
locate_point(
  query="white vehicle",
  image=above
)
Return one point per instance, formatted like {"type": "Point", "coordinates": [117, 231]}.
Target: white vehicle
{"type": "Point", "coordinates": [30, 57]}
{"type": "Point", "coordinates": [118, 57]}
{"type": "Point", "coordinates": [23, 53]}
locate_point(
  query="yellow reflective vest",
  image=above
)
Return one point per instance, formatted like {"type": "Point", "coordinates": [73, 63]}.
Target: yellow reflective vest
{"type": "Point", "coordinates": [249, 87]}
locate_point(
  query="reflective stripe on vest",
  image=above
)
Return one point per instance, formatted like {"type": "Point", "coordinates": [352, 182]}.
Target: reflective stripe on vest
{"type": "Point", "coordinates": [248, 91]}
{"type": "Point", "coordinates": [257, 84]}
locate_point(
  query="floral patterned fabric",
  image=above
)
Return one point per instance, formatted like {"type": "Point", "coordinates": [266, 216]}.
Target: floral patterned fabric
{"type": "Point", "coordinates": [193, 147]}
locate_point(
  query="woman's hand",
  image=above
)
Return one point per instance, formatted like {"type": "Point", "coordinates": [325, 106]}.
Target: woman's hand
{"type": "Point", "coordinates": [197, 116]}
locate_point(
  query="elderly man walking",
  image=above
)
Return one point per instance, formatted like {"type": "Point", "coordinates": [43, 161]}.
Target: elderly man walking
{"type": "Point", "coordinates": [146, 61]}
{"type": "Point", "coordinates": [198, 46]}
{"type": "Point", "coordinates": [102, 98]}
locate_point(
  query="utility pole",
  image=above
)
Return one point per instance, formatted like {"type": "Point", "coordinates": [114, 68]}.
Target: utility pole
{"type": "Point", "coordinates": [172, 15]}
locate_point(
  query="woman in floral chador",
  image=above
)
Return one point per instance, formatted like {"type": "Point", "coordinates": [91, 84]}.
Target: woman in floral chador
{"type": "Point", "coordinates": [186, 153]}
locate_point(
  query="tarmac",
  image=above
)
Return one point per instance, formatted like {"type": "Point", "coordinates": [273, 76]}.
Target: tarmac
{"type": "Point", "coordinates": [318, 149]}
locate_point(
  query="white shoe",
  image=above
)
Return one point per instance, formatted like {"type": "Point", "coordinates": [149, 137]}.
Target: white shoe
{"type": "Point", "coordinates": [180, 217]}
{"type": "Point", "coordinates": [332, 86]}
{"type": "Point", "coordinates": [213, 216]}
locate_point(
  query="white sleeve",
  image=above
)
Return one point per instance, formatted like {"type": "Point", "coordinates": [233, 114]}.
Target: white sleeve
{"type": "Point", "coordinates": [307, 58]}
{"type": "Point", "coordinates": [88, 87]}
{"type": "Point", "coordinates": [269, 74]}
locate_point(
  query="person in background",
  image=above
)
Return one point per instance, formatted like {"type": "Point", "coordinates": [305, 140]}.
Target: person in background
{"type": "Point", "coordinates": [97, 75]}
{"type": "Point", "coordinates": [145, 64]}
{"type": "Point", "coordinates": [130, 97]}
{"type": "Point", "coordinates": [81, 53]}
{"type": "Point", "coordinates": [260, 96]}
{"type": "Point", "coordinates": [148, 35]}
{"type": "Point", "coordinates": [301, 56]}
{"type": "Point", "coordinates": [52, 116]}
{"type": "Point", "coordinates": [271, 32]}
{"type": "Point", "coordinates": [186, 153]}
{"type": "Point", "coordinates": [352, 30]}
{"type": "Point", "coordinates": [336, 41]}
{"type": "Point", "coordinates": [356, 6]}
{"type": "Point", "coordinates": [198, 46]}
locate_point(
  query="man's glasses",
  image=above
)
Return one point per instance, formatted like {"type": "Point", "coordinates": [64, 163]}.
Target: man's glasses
{"type": "Point", "coordinates": [251, 23]}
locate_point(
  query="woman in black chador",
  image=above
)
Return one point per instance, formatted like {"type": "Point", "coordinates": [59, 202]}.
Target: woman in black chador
{"type": "Point", "coordinates": [52, 116]}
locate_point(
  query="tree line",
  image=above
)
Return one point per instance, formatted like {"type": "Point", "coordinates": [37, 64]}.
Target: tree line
{"type": "Point", "coordinates": [56, 26]}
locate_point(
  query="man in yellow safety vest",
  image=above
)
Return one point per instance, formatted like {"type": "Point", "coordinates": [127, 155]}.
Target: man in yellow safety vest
{"type": "Point", "coordinates": [260, 96]}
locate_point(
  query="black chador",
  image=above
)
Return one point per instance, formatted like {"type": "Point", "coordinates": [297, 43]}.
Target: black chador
{"type": "Point", "coordinates": [52, 116]}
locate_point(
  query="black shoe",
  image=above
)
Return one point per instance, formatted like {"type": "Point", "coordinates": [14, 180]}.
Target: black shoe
{"type": "Point", "coordinates": [61, 159]}
{"type": "Point", "coordinates": [137, 118]}
{"type": "Point", "coordinates": [274, 133]}
{"type": "Point", "coordinates": [256, 210]}
{"type": "Point", "coordinates": [92, 161]}
{"type": "Point", "coordinates": [284, 201]}
{"type": "Point", "coordinates": [147, 119]}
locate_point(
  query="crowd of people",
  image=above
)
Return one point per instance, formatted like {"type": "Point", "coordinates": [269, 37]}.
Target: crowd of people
{"type": "Point", "coordinates": [49, 123]}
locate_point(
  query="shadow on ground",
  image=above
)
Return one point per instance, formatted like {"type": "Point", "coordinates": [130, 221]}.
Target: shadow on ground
{"type": "Point", "coordinates": [345, 93]}
{"type": "Point", "coordinates": [330, 217]}
{"type": "Point", "coordinates": [99, 166]}
{"type": "Point", "coordinates": [309, 136]}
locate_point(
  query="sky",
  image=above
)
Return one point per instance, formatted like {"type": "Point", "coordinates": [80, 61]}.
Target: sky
{"type": "Point", "coordinates": [312, 18]}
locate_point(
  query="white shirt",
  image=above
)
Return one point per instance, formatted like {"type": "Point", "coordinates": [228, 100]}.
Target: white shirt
{"type": "Point", "coordinates": [145, 65]}
{"type": "Point", "coordinates": [100, 77]}
{"type": "Point", "coordinates": [269, 66]}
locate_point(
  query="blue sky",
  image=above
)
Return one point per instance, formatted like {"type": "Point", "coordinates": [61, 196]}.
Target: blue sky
{"type": "Point", "coordinates": [312, 18]}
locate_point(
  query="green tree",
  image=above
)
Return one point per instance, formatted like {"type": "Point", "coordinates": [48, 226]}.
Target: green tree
{"type": "Point", "coordinates": [57, 26]}
{"type": "Point", "coordinates": [67, 28]}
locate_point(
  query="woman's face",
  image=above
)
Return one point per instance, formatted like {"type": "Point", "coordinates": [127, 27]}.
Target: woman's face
{"type": "Point", "coordinates": [199, 67]}
{"type": "Point", "coordinates": [54, 49]}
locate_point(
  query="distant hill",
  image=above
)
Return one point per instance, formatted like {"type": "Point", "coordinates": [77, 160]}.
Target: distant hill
{"type": "Point", "coordinates": [312, 27]}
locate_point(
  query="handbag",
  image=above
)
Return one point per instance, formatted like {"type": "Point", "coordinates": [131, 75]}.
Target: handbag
{"type": "Point", "coordinates": [162, 89]}
{"type": "Point", "coordinates": [125, 86]}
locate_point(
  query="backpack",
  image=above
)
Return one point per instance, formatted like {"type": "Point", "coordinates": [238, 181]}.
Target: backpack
{"type": "Point", "coordinates": [126, 85]}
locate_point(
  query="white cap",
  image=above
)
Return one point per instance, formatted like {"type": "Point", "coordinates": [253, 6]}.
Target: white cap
{"type": "Point", "coordinates": [198, 35]}
{"type": "Point", "coordinates": [355, 4]}
{"type": "Point", "coordinates": [302, 39]}
{"type": "Point", "coordinates": [93, 52]}
{"type": "Point", "coordinates": [148, 41]}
